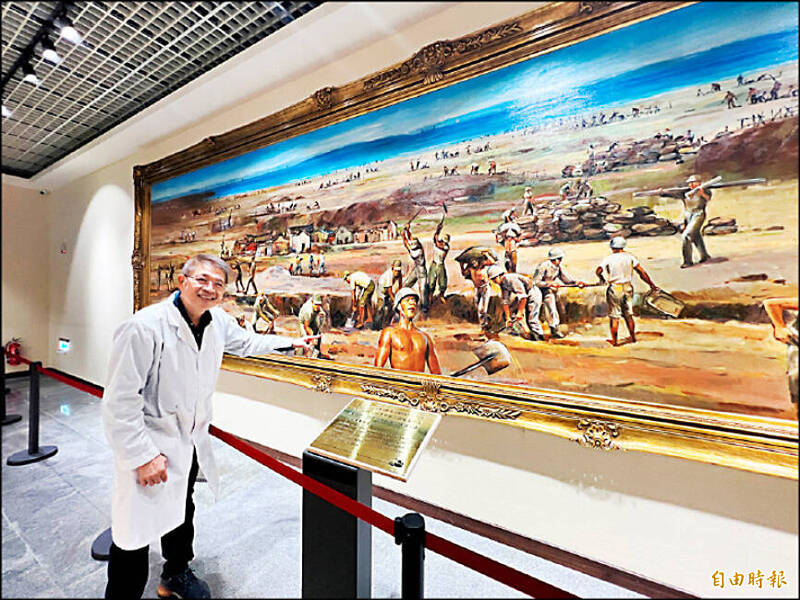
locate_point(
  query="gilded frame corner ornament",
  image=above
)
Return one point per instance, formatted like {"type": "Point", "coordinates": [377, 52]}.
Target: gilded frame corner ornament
{"type": "Point", "coordinates": [758, 444]}
{"type": "Point", "coordinates": [322, 382]}
{"type": "Point", "coordinates": [598, 434]}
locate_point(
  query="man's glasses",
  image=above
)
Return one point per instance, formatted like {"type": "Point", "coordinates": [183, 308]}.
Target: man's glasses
{"type": "Point", "coordinates": [203, 282]}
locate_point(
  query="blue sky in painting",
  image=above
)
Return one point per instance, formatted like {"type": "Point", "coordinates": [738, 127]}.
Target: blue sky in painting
{"type": "Point", "coordinates": [686, 47]}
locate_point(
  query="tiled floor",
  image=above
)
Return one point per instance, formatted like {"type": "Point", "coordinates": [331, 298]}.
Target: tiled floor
{"type": "Point", "coordinates": [247, 544]}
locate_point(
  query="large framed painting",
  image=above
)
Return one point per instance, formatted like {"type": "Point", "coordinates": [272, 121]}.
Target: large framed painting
{"type": "Point", "coordinates": [582, 221]}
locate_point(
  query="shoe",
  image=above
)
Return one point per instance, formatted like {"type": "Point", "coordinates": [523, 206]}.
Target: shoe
{"type": "Point", "coordinates": [536, 337]}
{"type": "Point", "coordinates": [557, 335]}
{"type": "Point", "coordinates": [183, 585]}
{"type": "Point", "coordinates": [686, 265]}
{"type": "Point", "coordinates": [704, 259]}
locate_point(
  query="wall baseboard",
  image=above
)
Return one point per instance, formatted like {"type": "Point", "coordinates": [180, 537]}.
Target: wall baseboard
{"type": "Point", "coordinates": [81, 379]}
{"type": "Point", "coordinates": [16, 374]}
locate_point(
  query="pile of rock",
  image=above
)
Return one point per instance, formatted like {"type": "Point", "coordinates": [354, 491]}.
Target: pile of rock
{"type": "Point", "coordinates": [658, 148]}
{"type": "Point", "coordinates": [720, 226]}
{"type": "Point", "coordinates": [590, 219]}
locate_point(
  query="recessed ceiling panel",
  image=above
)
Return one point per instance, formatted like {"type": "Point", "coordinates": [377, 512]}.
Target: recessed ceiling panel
{"type": "Point", "coordinates": [132, 54]}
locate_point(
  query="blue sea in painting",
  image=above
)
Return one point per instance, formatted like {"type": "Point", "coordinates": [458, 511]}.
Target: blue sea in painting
{"type": "Point", "coordinates": [382, 135]}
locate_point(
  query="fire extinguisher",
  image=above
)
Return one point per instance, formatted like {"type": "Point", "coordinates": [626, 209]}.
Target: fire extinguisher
{"type": "Point", "coordinates": [13, 352]}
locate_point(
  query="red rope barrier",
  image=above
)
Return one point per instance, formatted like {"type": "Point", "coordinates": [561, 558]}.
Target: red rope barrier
{"type": "Point", "coordinates": [84, 387]}
{"type": "Point", "coordinates": [483, 564]}
{"type": "Point", "coordinates": [487, 566]}
{"type": "Point", "coordinates": [347, 504]}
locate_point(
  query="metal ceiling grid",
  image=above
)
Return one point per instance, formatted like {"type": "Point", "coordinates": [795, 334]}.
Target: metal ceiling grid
{"type": "Point", "coordinates": [132, 54]}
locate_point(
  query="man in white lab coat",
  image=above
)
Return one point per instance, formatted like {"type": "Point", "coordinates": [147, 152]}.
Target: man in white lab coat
{"type": "Point", "coordinates": [156, 412]}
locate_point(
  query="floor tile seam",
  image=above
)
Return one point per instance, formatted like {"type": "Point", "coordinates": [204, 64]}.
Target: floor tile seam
{"type": "Point", "coordinates": [52, 415]}
{"type": "Point", "coordinates": [29, 551]}
{"type": "Point", "coordinates": [44, 464]}
{"type": "Point", "coordinates": [66, 476]}
{"type": "Point", "coordinates": [83, 494]}
{"type": "Point", "coordinates": [78, 434]}
{"type": "Point", "coordinates": [101, 565]}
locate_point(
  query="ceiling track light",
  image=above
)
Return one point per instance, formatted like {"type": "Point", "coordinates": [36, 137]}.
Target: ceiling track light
{"type": "Point", "coordinates": [68, 31]}
{"type": "Point", "coordinates": [30, 74]}
{"type": "Point", "coordinates": [49, 52]}
{"type": "Point", "coordinates": [58, 18]}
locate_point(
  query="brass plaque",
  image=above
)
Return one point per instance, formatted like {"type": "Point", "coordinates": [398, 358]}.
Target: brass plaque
{"type": "Point", "coordinates": [377, 436]}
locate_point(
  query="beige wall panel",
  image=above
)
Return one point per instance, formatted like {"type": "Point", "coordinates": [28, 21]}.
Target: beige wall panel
{"type": "Point", "coordinates": [25, 271]}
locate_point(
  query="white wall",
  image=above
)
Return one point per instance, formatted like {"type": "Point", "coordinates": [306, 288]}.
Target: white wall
{"type": "Point", "coordinates": [668, 519]}
{"type": "Point", "coordinates": [26, 272]}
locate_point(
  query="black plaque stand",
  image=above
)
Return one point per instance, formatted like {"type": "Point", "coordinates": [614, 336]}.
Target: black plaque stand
{"type": "Point", "coordinates": [337, 547]}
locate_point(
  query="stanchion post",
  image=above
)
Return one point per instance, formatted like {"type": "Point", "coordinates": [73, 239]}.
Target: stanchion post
{"type": "Point", "coordinates": [6, 418]}
{"type": "Point", "coordinates": [33, 408]}
{"type": "Point", "coordinates": [409, 533]}
{"type": "Point", "coordinates": [34, 453]}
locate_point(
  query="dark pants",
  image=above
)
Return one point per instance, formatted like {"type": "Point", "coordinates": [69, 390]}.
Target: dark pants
{"type": "Point", "coordinates": [128, 569]}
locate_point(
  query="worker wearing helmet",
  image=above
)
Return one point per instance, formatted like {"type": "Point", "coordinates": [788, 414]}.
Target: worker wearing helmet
{"type": "Point", "coordinates": [694, 200]}
{"type": "Point", "coordinates": [389, 283]}
{"type": "Point", "coordinates": [362, 288]}
{"type": "Point", "coordinates": [312, 317]}
{"type": "Point", "coordinates": [519, 297]}
{"type": "Point", "coordinates": [548, 277]}
{"type": "Point", "coordinates": [437, 273]}
{"type": "Point", "coordinates": [527, 202]}
{"type": "Point", "coordinates": [264, 310]}
{"type": "Point", "coordinates": [418, 274]}
{"type": "Point", "coordinates": [617, 271]}
{"type": "Point", "coordinates": [402, 344]}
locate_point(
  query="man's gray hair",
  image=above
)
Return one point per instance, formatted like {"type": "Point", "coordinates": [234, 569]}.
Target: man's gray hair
{"type": "Point", "coordinates": [191, 265]}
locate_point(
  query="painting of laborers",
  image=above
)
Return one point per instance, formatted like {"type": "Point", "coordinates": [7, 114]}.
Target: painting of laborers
{"type": "Point", "coordinates": [633, 196]}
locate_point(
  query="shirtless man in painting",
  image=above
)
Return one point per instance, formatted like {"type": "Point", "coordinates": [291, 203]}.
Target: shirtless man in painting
{"type": "Point", "coordinates": [405, 346]}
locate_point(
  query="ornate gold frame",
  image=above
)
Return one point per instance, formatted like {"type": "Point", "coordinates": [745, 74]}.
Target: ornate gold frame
{"type": "Point", "coordinates": [758, 444]}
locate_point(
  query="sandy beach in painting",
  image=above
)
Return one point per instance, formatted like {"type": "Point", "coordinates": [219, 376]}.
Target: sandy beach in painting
{"type": "Point", "coordinates": [718, 354]}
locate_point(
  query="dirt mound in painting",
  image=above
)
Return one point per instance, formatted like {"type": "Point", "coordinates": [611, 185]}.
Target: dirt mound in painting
{"type": "Point", "coordinates": [164, 213]}
{"type": "Point", "coordinates": [768, 150]}
{"type": "Point", "coordinates": [403, 203]}
{"type": "Point", "coordinates": [437, 189]}
{"type": "Point", "coordinates": [369, 212]}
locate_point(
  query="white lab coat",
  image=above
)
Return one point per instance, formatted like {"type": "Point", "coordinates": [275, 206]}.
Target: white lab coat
{"type": "Point", "coordinates": [158, 400]}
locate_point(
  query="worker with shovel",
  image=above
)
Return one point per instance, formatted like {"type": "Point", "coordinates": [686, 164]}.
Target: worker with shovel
{"type": "Point", "coordinates": [617, 271]}
{"type": "Point", "coordinates": [548, 277]}
{"type": "Point", "coordinates": [402, 344]}
{"type": "Point", "coordinates": [519, 296]}
{"type": "Point", "coordinates": [362, 288]}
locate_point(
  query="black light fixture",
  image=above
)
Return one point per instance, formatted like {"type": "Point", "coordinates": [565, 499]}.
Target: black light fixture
{"type": "Point", "coordinates": [68, 31]}
{"type": "Point", "coordinates": [30, 74]}
{"type": "Point", "coordinates": [58, 19]}
{"type": "Point", "coordinates": [49, 52]}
